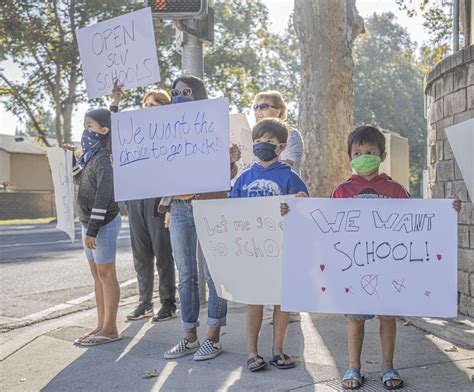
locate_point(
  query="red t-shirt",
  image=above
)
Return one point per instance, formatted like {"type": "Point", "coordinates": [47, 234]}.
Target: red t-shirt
{"type": "Point", "coordinates": [381, 186]}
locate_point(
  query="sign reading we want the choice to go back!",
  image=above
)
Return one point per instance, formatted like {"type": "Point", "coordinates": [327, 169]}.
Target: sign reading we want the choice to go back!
{"type": "Point", "coordinates": [171, 150]}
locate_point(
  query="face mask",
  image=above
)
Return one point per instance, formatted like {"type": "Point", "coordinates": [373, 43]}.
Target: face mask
{"type": "Point", "coordinates": [366, 163]}
{"type": "Point", "coordinates": [265, 151]}
{"type": "Point", "coordinates": [90, 139]}
{"type": "Point", "coordinates": [180, 99]}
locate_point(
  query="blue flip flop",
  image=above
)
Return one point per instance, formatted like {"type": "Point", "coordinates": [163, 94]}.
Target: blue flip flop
{"type": "Point", "coordinates": [391, 375]}
{"type": "Point", "coordinates": [281, 357]}
{"type": "Point", "coordinates": [353, 374]}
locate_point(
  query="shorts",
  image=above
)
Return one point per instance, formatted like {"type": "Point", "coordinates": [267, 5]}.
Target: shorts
{"type": "Point", "coordinates": [360, 317]}
{"type": "Point", "coordinates": [106, 242]}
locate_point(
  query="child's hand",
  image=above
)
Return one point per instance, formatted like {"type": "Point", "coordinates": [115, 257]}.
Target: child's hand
{"type": "Point", "coordinates": [457, 205]}
{"type": "Point", "coordinates": [69, 147]}
{"type": "Point", "coordinates": [301, 194]}
{"type": "Point", "coordinates": [284, 209]}
{"type": "Point", "coordinates": [167, 220]}
{"type": "Point", "coordinates": [89, 242]}
{"type": "Point", "coordinates": [234, 152]}
{"type": "Point", "coordinates": [117, 93]}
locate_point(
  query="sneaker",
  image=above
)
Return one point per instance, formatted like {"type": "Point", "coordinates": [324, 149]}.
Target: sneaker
{"type": "Point", "coordinates": [166, 312]}
{"type": "Point", "coordinates": [208, 350]}
{"type": "Point", "coordinates": [141, 311]}
{"type": "Point", "coordinates": [294, 317]}
{"type": "Point", "coordinates": [184, 347]}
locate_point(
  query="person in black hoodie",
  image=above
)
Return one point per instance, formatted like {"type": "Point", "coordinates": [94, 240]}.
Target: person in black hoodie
{"type": "Point", "coordinates": [101, 222]}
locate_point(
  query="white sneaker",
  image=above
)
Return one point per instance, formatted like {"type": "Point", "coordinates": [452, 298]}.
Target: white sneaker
{"type": "Point", "coordinates": [184, 347]}
{"type": "Point", "coordinates": [208, 350]}
{"type": "Point", "coordinates": [294, 317]}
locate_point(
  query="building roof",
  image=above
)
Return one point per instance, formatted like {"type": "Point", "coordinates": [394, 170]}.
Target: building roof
{"type": "Point", "coordinates": [27, 146]}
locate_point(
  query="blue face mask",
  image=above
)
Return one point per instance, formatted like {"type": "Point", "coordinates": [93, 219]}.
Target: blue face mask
{"type": "Point", "coordinates": [180, 99]}
{"type": "Point", "coordinates": [90, 139]}
{"type": "Point", "coordinates": [265, 151]}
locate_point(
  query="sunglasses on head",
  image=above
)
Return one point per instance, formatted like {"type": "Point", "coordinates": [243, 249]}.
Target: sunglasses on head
{"type": "Point", "coordinates": [263, 106]}
{"type": "Point", "coordinates": [185, 92]}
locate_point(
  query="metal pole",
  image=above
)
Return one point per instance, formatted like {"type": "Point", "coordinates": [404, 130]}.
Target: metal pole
{"type": "Point", "coordinates": [455, 26]}
{"type": "Point", "coordinates": [192, 63]}
{"type": "Point", "coordinates": [192, 59]}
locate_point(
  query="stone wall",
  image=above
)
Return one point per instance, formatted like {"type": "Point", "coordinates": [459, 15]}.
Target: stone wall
{"type": "Point", "coordinates": [26, 205]}
{"type": "Point", "coordinates": [450, 90]}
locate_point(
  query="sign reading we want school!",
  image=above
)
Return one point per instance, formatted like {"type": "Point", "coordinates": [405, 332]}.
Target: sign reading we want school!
{"type": "Point", "coordinates": [382, 257]}
{"type": "Point", "coordinates": [171, 150]}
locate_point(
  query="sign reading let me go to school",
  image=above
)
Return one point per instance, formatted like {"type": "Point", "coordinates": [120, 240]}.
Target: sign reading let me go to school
{"type": "Point", "coordinates": [121, 48]}
{"type": "Point", "coordinates": [383, 257]}
{"type": "Point", "coordinates": [171, 150]}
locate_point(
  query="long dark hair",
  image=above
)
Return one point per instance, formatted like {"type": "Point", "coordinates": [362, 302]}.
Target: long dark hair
{"type": "Point", "coordinates": [196, 84]}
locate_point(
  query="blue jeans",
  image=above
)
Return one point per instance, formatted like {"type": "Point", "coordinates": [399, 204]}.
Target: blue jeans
{"type": "Point", "coordinates": [106, 242]}
{"type": "Point", "coordinates": [185, 248]}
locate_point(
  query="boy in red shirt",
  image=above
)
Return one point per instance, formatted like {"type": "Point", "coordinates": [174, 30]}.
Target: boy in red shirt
{"type": "Point", "coordinates": [366, 148]}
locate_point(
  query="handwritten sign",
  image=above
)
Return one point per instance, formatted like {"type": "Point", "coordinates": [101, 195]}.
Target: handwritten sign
{"type": "Point", "coordinates": [382, 257]}
{"type": "Point", "coordinates": [60, 162]}
{"type": "Point", "coordinates": [241, 134]}
{"type": "Point", "coordinates": [241, 240]}
{"type": "Point", "coordinates": [171, 150]}
{"type": "Point", "coordinates": [461, 140]}
{"type": "Point", "coordinates": [120, 48]}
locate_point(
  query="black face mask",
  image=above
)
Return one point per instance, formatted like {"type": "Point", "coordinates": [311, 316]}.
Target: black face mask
{"type": "Point", "coordinates": [265, 151]}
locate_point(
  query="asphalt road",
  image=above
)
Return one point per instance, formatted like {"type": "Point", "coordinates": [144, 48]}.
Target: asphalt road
{"type": "Point", "coordinates": [43, 274]}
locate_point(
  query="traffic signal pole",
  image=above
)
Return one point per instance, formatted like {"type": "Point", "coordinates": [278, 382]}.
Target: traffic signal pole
{"type": "Point", "coordinates": [192, 60]}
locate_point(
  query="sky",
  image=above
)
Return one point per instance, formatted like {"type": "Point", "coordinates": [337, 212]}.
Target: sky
{"type": "Point", "coordinates": [279, 11]}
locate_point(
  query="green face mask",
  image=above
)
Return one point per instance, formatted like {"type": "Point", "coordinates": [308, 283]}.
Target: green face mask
{"type": "Point", "coordinates": [366, 163]}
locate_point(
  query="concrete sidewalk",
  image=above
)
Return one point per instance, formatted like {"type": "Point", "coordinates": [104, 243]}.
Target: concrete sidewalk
{"type": "Point", "coordinates": [42, 357]}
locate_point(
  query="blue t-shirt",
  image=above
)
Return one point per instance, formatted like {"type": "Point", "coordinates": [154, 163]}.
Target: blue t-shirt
{"type": "Point", "coordinates": [275, 180]}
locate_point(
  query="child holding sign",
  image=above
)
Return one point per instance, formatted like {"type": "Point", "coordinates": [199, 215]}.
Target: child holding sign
{"type": "Point", "coordinates": [366, 148]}
{"type": "Point", "coordinates": [101, 222]}
{"type": "Point", "coordinates": [268, 177]}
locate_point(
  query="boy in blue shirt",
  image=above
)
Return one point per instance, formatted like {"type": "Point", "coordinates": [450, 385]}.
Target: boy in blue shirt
{"type": "Point", "coordinates": [268, 177]}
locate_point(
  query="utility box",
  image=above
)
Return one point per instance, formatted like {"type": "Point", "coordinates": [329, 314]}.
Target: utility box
{"type": "Point", "coordinates": [397, 163]}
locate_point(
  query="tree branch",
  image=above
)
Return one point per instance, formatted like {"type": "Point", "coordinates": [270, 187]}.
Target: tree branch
{"type": "Point", "coordinates": [41, 132]}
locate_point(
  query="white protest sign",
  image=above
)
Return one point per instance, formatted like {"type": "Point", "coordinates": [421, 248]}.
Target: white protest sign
{"type": "Point", "coordinates": [60, 162]}
{"type": "Point", "coordinates": [382, 257]}
{"type": "Point", "coordinates": [171, 150]}
{"type": "Point", "coordinates": [120, 48]}
{"type": "Point", "coordinates": [461, 140]}
{"type": "Point", "coordinates": [241, 240]}
{"type": "Point", "coordinates": [241, 134]}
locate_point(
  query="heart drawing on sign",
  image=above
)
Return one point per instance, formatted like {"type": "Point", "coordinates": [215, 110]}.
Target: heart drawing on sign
{"type": "Point", "coordinates": [322, 267]}
{"type": "Point", "coordinates": [346, 289]}
{"type": "Point", "coordinates": [323, 288]}
{"type": "Point", "coordinates": [439, 257]}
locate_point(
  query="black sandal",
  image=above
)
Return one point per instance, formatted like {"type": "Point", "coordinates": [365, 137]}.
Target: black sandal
{"type": "Point", "coordinates": [255, 359]}
{"type": "Point", "coordinates": [281, 357]}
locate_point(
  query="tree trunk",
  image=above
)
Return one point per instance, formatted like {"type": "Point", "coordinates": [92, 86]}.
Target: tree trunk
{"type": "Point", "coordinates": [57, 102]}
{"type": "Point", "coordinates": [69, 105]}
{"type": "Point", "coordinates": [326, 32]}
